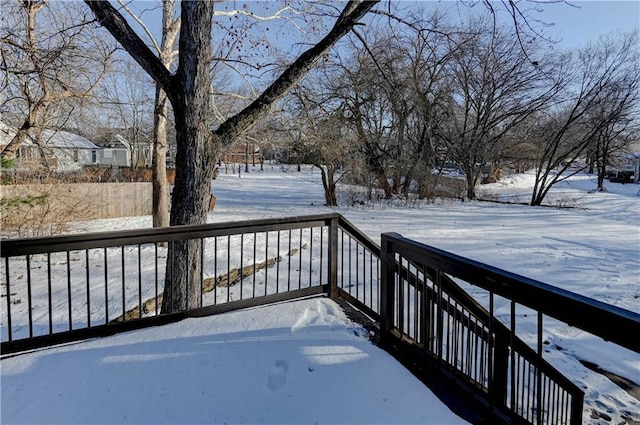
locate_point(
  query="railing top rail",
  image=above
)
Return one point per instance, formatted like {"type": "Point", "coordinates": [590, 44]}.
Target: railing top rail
{"type": "Point", "coordinates": [359, 235]}
{"type": "Point", "coordinates": [43, 245]}
{"type": "Point", "coordinates": [604, 320]}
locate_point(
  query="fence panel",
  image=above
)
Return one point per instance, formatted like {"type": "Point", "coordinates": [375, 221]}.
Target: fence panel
{"type": "Point", "coordinates": [358, 271]}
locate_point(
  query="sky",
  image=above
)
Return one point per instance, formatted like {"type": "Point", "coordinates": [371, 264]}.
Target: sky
{"type": "Point", "coordinates": [571, 22]}
{"type": "Point", "coordinates": [571, 25]}
{"type": "Point", "coordinates": [589, 19]}
{"type": "Point", "coordinates": [568, 23]}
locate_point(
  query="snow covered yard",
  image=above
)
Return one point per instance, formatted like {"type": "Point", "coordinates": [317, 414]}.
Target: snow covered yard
{"type": "Point", "coordinates": [592, 249]}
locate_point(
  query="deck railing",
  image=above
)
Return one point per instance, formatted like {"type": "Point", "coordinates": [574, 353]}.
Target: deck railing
{"type": "Point", "coordinates": [424, 307]}
{"type": "Point", "coordinates": [65, 288]}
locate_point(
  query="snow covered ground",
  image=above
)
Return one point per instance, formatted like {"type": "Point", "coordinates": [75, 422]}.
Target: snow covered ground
{"type": "Point", "coordinates": [591, 248]}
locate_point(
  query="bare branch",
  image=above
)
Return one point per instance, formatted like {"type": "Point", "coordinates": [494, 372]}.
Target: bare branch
{"type": "Point", "coordinates": [126, 36]}
{"type": "Point", "coordinates": [352, 13]}
{"type": "Point", "coordinates": [277, 15]}
{"type": "Point", "coordinates": [140, 22]}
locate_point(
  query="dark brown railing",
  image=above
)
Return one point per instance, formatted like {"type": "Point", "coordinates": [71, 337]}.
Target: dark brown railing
{"type": "Point", "coordinates": [65, 288]}
{"type": "Point", "coordinates": [425, 309]}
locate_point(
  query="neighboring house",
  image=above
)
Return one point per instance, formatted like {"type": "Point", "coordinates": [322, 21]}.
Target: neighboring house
{"type": "Point", "coordinates": [625, 167]}
{"type": "Point", "coordinates": [57, 149]}
{"type": "Point", "coordinates": [118, 151]}
{"type": "Point", "coordinates": [240, 153]}
{"type": "Point", "coordinates": [631, 163]}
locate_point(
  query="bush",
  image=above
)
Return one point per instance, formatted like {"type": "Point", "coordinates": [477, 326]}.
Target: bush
{"type": "Point", "coordinates": [35, 214]}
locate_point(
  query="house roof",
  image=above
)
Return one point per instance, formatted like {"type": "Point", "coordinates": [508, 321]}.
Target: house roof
{"type": "Point", "coordinates": [51, 138]}
{"type": "Point", "coordinates": [116, 138]}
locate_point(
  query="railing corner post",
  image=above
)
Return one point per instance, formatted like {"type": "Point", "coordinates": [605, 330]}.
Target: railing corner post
{"type": "Point", "coordinates": [333, 259]}
{"type": "Point", "coordinates": [577, 404]}
{"type": "Point", "coordinates": [387, 290]}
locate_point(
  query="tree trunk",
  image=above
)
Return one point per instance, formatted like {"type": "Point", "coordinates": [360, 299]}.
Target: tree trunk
{"type": "Point", "coordinates": [160, 185]}
{"type": "Point", "coordinates": [591, 160]}
{"type": "Point", "coordinates": [195, 156]}
{"type": "Point", "coordinates": [329, 185]}
{"type": "Point", "coordinates": [601, 161]}
{"type": "Point", "coordinates": [600, 182]}
{"type": "Point", "coordinates": [471, 187]}
{"type": "Point", "coordinates": [602, 170]}
{"type": "Point", "coordinates": [384, 185]}
{"type": "Point", "coordinates": [18, 139]}
{"type": "Point", "coordinates": [22, 134]}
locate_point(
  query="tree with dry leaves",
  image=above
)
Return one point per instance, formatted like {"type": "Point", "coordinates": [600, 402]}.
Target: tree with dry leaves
{"type": "Point", "coordinates": [52, 60]}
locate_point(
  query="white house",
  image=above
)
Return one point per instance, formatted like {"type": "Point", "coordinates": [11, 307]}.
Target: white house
{"type": "Point", "coordinates": [118, 151]}
{"type": "Point", "coordinates": [59, 149]}
{"type": "Point", "coordinates": [65, 151]}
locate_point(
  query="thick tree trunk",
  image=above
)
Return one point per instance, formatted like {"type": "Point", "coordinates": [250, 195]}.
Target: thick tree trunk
{"type": "Point", "coordinates": [471, 187]}
{"type": "Point", "coordinates": [9, 151]}
{"type": "Point", "coordinates": [195, 156]}
{"type": "Point", "coordinates": [21, 135]}
{"type": "Point", "coordinates": [601, 174]}
{"type": "Point", "coordinates": [601, 165]}
{"type": "Point", "coordinates": [329, 185]}
{"type": "Point", "coordinates": [384, 185]}
{"type": "Point", "coordinates": [600, 182]}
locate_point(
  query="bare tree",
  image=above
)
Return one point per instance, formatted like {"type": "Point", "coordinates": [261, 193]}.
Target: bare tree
{"type": "Point", "coordinates": [198, 147]}
{"type": "Point", "coordinates": [493, 86]}
{"type": "Point", "coordinates": [619, 112]}
{"type": "Point", "coordinates": [317, 126]}
{"type": "Point", "coordinates": [238, 54]}
{"type": "Point", "coordinates": [368, 110]}
{"type": "Point", "coordinates": [52, 62]}
{"type": "Point", "coordinates": [126, 106]}
{"type": "Point", "coordinates": [600, 92]}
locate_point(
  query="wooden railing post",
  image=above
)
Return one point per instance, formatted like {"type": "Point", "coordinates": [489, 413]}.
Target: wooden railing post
{"type": "Point", "coordinates": [333, 258]}
{"type": "Point", "coordinates": [387, 290]}
{"type": "Point", "coordinates": [498, 382]}
{"type": "Point", "coordinates": [577, 404]}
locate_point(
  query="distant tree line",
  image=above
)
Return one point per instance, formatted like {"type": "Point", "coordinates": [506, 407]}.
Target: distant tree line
{"type": "Point", "coordinates": [391, 116]}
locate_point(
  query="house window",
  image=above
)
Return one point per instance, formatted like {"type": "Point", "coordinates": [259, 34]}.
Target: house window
{"type": "Point", "coordinates": [94, 157]}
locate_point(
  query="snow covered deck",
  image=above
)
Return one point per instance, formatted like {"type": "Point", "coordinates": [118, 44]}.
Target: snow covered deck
{"type": "Point", "coordinates": [295, 362]}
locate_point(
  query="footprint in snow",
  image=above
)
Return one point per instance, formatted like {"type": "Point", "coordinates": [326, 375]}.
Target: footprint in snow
{"type": "Point", "coordinates": [278, 375]}
{"type": "Point", "coordinates": [308, 318]}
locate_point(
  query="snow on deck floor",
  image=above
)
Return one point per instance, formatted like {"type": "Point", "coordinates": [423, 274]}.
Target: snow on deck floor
{"type": "Point", "coordinates": [296, 362]}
